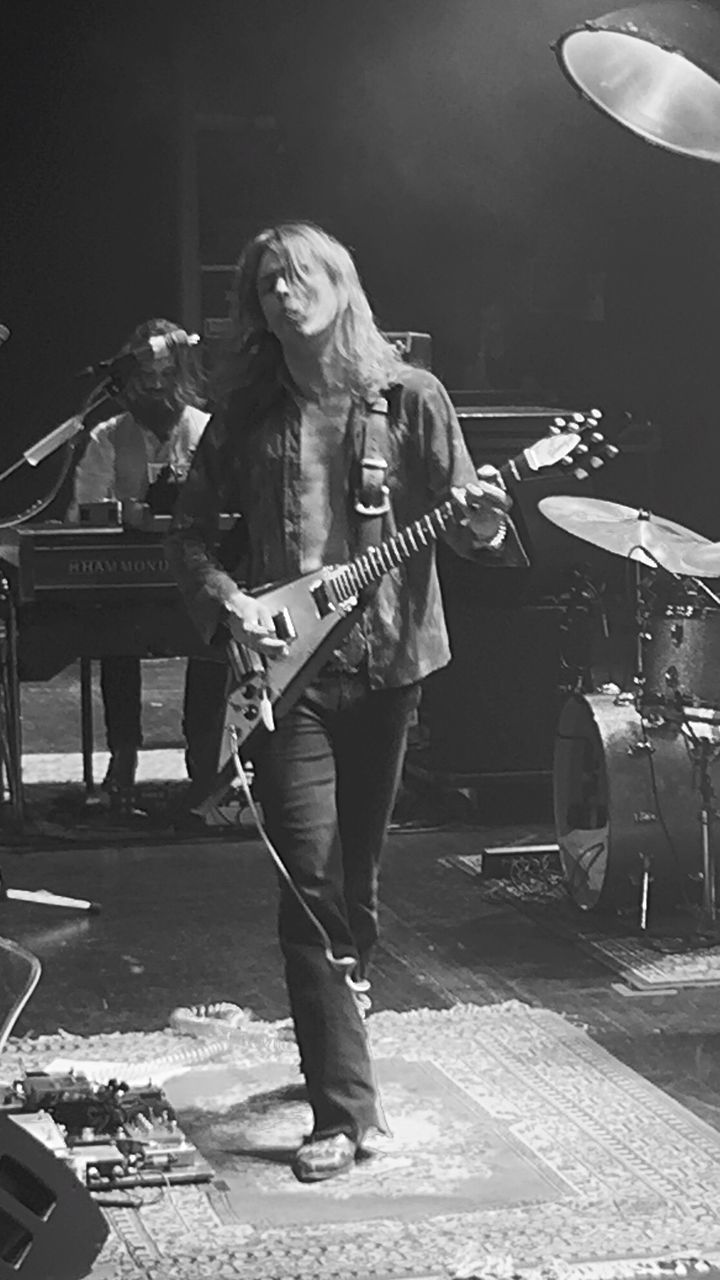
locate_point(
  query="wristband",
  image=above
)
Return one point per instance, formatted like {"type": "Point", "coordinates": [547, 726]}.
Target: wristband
{"type": "Point", "coordinates": [498, 538]}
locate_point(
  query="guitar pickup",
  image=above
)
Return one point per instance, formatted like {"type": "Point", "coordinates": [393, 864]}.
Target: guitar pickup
{"type": "Point", "coordinates": [284, 626]}
{"type": "Point", "coordinates": [321, 596]}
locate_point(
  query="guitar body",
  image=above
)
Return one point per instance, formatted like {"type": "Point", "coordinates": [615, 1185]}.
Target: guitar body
{"type": "Point", "coordinates": [281, 680]}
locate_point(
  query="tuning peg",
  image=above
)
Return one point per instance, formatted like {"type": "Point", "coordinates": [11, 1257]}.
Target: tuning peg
{"type": "Point", "coordinates": [578, 417]}
{"type": "Point", "coordinates": [557, 425]}
{"type": "Point", "coordinates": [597, 462]}
{"type": "Point", "coordinates": [596, 414]}
{"type": "Point", "coordinates": [581, 448]}
{"type": "Point", "coordinates": [580, 473]}
{"type": "Point", "coordinates": [611, 451]}
{"type": "Point", "coordinates": [597, 437]}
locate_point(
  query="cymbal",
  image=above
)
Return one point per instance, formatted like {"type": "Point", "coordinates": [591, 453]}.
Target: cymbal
{"type": "Point", "coordinates": [702, 561]}
{"type": "Point", "coordinates": [632, 533]}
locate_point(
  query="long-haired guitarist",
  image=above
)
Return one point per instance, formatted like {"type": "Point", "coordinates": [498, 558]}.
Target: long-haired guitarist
{"type": "Point", "coordinates": [324, 438]}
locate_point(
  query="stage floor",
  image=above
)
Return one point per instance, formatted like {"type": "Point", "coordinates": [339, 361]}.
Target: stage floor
{"type": "Point", "coordinates": [190, 921]}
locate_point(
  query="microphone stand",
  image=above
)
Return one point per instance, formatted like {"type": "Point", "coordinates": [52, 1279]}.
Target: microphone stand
{"type": "Point", "coordinates": [64, 434]}
{"type": "Point", "coordinates": [72, 427]}
{"type": "Point", "coordinates": [113, 374]}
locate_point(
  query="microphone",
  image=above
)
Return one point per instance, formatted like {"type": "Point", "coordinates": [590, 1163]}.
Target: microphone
{"type": "Point", "coordinates": [159, 344]}
{"type": "Point", "coordinates": [4, 333]}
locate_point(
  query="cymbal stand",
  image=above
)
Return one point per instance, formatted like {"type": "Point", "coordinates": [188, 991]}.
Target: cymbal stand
{"type": "Point", "coordinates": [707, 751]}
{"type": "Point", "coordinates": [698, 582]}
{"type": "Point", "coordinates": [641, 636]}
{"type": "Point", "coordinates": [641, 616]}
{"type": "Point", "coordinates": [704, 750]}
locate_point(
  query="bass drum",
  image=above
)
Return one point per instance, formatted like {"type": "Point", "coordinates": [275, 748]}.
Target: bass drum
{"type": "Point", "coordinates": [625, 798]}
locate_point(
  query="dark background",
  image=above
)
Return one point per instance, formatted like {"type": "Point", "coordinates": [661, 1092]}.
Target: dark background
{"type": "Point", "coordinates": [543, 246]}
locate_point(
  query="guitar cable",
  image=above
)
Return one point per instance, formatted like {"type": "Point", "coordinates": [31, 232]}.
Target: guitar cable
{"type": "Point", "coordinates": [342, 965]}
{"type": "Point", "coordinates": [359, 987]}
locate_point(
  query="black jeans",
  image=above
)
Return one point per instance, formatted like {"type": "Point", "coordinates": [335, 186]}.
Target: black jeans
{"type": "Point", "coordinates": [327, 779]}
{"type": "Point", "coordinates": [202, 719]}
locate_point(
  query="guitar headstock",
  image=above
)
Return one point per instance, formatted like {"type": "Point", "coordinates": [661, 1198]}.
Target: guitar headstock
{"type": "Point", "coordinates": [575, 443]}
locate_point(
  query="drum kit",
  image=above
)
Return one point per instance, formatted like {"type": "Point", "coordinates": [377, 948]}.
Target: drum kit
{"type": "Point", "coordinates": [633, 770]}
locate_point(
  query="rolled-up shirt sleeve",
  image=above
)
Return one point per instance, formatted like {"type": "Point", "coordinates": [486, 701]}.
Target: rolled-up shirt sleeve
{"type": "Point", "coordinates": [94, 479]}
{"type": "Point", "coordinates": [449, 466]}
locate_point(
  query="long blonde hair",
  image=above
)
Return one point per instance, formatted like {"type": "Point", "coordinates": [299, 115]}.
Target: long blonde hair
{"type": "Point", "coordinates": [367, 362]}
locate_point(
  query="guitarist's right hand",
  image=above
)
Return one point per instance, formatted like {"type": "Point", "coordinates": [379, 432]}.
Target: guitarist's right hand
{"type": "Point", "coordinates": [251, 624]}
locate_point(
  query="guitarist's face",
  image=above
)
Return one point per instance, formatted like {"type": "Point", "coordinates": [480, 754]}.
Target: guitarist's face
{"type": "Point", "coordinates": [297, 299]}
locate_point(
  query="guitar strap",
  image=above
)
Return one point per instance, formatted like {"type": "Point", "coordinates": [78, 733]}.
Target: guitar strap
{"type": "Point", "coordinates": [369, 490]}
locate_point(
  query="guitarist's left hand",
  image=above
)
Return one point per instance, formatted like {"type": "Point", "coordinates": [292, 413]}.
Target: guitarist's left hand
{"type": "Point", "coordinates": [488, 503]}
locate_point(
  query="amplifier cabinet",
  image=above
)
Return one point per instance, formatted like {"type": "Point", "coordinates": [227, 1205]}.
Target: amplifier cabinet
{"type": "Point", "coordinates": [494, 709]}
{"type": "Point", "coordinates": [494, 433]}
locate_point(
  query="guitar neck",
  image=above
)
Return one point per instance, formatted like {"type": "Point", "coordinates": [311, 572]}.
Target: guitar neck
{"type": "Point", "coordinates": [577, 444]}
{"type": "Point", "coordinates": [371, 565]}
{"type": "Point", "coordinates": [369, 568]}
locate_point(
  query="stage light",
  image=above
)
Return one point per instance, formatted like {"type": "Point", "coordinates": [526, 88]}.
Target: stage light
{"type": "Point", "coordinates": [654, 68]}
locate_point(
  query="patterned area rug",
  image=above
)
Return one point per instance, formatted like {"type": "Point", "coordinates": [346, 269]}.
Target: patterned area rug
{"type": "Point", "coordinates": [446, 1154]}
{"type": "Point", "coordinates": [672, 953]}
{"type": "Point", "coordinates": [522, 1148]}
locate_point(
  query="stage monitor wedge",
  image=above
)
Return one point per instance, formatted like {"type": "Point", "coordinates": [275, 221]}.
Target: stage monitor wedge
{"type": "Point", "coordinates": [50, 1226]}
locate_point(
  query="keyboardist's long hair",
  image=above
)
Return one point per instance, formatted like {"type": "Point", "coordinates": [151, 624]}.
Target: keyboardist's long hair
{"type": "Point", "coordinates": [367, 361]}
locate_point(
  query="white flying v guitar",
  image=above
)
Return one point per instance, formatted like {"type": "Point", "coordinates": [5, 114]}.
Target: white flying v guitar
{"type": "Point", "coordinates": [314, 612]}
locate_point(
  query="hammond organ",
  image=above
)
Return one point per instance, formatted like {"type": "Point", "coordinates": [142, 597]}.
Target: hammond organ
{"type": "Point", "coordinates": [70, 592]}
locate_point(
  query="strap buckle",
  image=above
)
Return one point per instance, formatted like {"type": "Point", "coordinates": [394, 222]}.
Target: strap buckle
{"type": "Point", "coordinates": [373, 495]}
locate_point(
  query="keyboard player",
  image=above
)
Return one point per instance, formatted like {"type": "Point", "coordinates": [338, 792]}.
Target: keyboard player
{"type": "Point", "coordinates": [140, 457]}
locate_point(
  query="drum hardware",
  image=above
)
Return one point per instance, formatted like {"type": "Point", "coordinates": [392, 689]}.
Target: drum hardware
{"type": "Point", "coordinates": [665, 722]}
{"type": "Point", "coordinates": [621, 697]}
{"type": "Point", "coordinates": [578, 600]}
{"type": "Point", "coordinates": [644, 890]}
{"type": "Point", "coordinates": [701, 727]}
{"type": "Point", "coordinates": [623, 815]}
{"type": "Point", "coordinates": [648, 647]}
